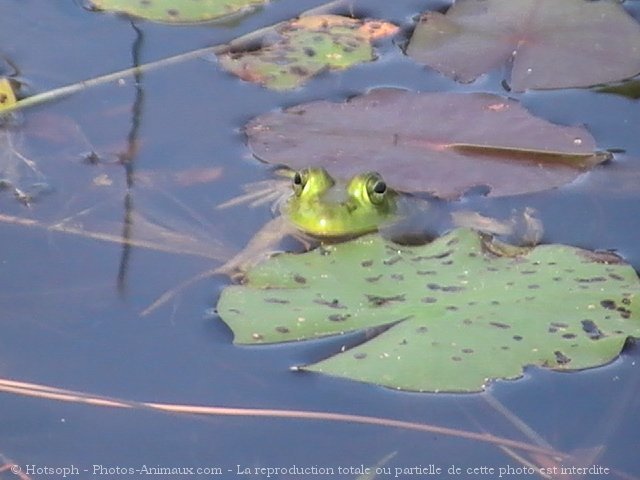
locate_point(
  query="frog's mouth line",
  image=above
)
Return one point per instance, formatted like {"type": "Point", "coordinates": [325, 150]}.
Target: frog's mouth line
{"type": "Point", "coordinates": [331, 217]}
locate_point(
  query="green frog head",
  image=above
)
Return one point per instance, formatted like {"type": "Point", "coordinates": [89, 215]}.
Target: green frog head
{"type": "Point", "coordinates": [323, 207]}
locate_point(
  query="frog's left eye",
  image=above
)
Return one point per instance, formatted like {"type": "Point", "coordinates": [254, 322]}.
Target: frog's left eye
{"type": "Point", "coordinates": [376, 188]}
{"type": "Point", "coordinates": [299, 181]}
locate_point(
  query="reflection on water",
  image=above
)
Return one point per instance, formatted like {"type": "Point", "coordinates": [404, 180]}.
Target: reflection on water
{"type": "Point", "coordinates": [77, 267]}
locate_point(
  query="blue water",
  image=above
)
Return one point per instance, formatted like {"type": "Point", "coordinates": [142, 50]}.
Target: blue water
{"type": "Point", "coordinates": [70, 305]}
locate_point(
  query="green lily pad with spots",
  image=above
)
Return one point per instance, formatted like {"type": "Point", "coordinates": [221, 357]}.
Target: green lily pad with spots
{"type": "Point", "coordinates": [447, 316]}
{"type": "Point", "coordinates": [307, 46]}
{"type": "Point", "coordinates": [178, 11]}
{"type": "Point", "coordinates": [546, 43]}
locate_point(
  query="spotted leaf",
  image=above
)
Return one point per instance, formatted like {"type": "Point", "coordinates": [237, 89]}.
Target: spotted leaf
{"type": "Point", "coordinates": [449, 316]}
{"type": "Point", "coordinates": [178, 11]}
{"type": "Point", "coordinates": [307, 46]}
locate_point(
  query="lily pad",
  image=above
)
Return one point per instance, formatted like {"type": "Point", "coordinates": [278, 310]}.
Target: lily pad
{"type": "Point", "coordinates": [454, 313]}
{"type": "Point", "coordinates": [629, 89]}
{"type": "Point", "coordinates": [7, 95]}
{"type": "Point", "coordinates": [307, 46]}
{"type": "Point", "coordinates": [178, 11]}
{"type": "Point", "coordinates": [551, 43]}
{"type": "Point", "coordinates": [441, 143]}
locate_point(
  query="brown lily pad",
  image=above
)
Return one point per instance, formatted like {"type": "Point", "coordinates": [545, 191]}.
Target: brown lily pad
{"type": "Point", "coordinates": [441, 143]}
{"type": "Point", "coordinates": [551, 43]}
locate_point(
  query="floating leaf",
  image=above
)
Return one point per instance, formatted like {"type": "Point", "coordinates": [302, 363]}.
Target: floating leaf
{"type": "Point", "coordinates": [455, 313]}
{"type": "Point", "coordinates": [7, 96]}
{"type": "Point", "coordinates": [178, 11]}
{"type": "Point", "coordinates": [442, 143]}
{"type": "Point", "coordinates": [552, 44]}
{"type": "Point", "coordinates": [629, 89]}
{"type": "Point", "coordinates": [307, 46]}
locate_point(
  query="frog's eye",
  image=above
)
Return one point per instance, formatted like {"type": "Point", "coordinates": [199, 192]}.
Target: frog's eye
{"type": "Point", "coordinates": [299, 181]}
{"type": "Point", "coordinates": [380, 187]}
{"type": "Point", "coordinates": [376, 188]}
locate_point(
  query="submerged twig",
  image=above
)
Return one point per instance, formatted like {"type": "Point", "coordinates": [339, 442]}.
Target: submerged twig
{"type": "Point", "coordinates": [8, 465]}
{"type": "Point", "coordinates": [216, 253]}
{"type": "Point", "coordinates": [264, 239]}
{"type": "Point", "coordinates": [53, 393]}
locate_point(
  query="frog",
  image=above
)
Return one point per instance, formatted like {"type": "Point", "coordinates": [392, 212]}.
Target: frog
{"type": "Point", "coordinates": [323, 208]}
{"type": "Point", "coordinates": [320, 209]}
{"type": "Point", "coordinates": [317, 209]}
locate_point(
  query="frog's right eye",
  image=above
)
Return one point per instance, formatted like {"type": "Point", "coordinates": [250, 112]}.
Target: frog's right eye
{"type": "Point", "coordinates": [299, 181]}
{"type": "Point", "coordinates": [376, 188]}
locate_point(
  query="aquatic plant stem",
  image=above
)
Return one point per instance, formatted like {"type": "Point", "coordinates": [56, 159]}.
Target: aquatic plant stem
{"type": "Point", "coordinates": [53, 393]}
{"type": "Point", "coordinates": [68, 90]}
{"type": "Point", "coordinates": [215, 250]}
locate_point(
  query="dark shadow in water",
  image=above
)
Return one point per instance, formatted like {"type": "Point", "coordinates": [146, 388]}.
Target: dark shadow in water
{"type": "Point", "coordinates": [127, 159]}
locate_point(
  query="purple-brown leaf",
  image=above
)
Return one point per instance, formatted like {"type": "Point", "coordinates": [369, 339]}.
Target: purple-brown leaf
{"type": "Point", "coordinates": [551, 43]}
{"type": "Point", "coordinates": [442, 143]}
